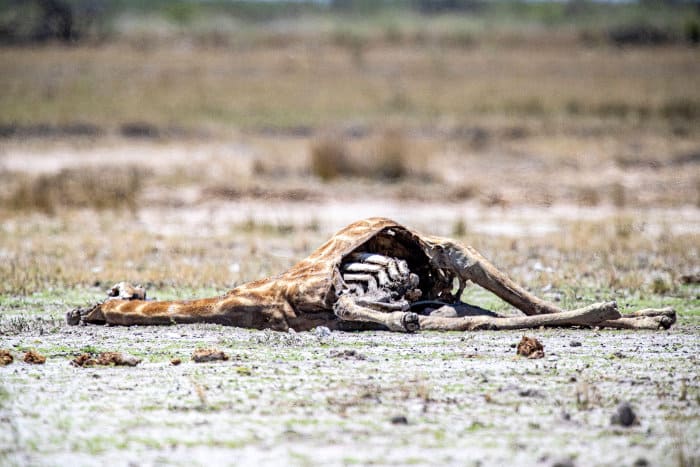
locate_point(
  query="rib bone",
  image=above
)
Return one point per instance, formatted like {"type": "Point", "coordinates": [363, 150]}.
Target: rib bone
{"type": "Point", "coordinates": [371, 258]}
{"type": "Point", "coordinates": [367, 278]}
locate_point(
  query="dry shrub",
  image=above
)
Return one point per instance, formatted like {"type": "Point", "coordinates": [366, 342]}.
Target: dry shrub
{"type": "Point", "coordinates": [618, 195]}
{"type": "Point", "coordinates": [385, 159]}
{"type": "Point", "coordinates": [85, 187]}
{"type": "Point", "coordinates": [330, 159]}
{"type": "Point", "coordinates": [588, 196]}
{"type": "Point", "coordinates": [390, 158]}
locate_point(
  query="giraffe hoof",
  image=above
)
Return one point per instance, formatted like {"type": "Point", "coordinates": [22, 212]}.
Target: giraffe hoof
{"type": "Point", "coordinates": [75, 316]}
{"type": "Point", "coordinates": [410, 322]}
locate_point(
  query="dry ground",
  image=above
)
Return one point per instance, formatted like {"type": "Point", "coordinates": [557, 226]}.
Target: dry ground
{"type": "Point", "coordinates": [575, 170]}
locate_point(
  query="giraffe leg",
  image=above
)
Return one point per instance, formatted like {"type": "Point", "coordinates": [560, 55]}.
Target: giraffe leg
{"type": "Point", "coordinates": [468, 265]}
{"type": "Point", "coordinates": [591, 315]}
{"type": "Point", "coordinates": [402, 321]}
{"type": "Point", "coordinates": [650, 318]}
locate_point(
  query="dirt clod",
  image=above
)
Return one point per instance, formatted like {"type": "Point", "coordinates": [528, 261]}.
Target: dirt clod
{"type": "Point", "coordinates": [34, 357]}
{"type": "Point", "coordinates": [209, 355]}
{"type": "Point", "coordinates": [624, 415]}
{"type": "Point", "coordinates": [5, 357]}
{"type": "Point", "coordinates": [530, 347]}
{"type": "Point", "coordinates": [105, 359]}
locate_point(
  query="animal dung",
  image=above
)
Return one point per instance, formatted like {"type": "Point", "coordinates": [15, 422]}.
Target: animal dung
{"type": "Point", "coordinates": [209, 355]}
{"type": "Point", "coordinates": [34, 357]}
{"type": "Point", "coordinates": [105, 359]}
{"type": "Point", "coordinates": [530, 347]}
{"type": "Point", "coordinates": [5, 357]}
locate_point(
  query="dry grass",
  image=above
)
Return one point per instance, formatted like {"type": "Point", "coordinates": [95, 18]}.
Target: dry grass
{"type": "Point", "coordinates": [383, 158]}
{"type": "Point", "coordinates": [330, 159]}
{"type": "Point", "coordinates": [81, 249]}
{"type": "Point", "coordinates": [312, 84]}
{"type": "Point", "coordinates": [390, 157]}
{"type": "Point", "coordinates": [97, 188]}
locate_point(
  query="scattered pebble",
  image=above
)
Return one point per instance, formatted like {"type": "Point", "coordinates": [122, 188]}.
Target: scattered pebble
{"type": "Point", "coordinates": [530, 347]}
{"type": "Point", "coordinates": [5, 357]}
{"type": "Point", "coordinates": [34, 357]}
{"type": "Point", "coordinates": [624, 415]}
{"type": "Point", "coordinates": [399, 420]}
{"type": "Point", "coordinates": [347, 354]}
{"type": "Point", "coordinates": [575, 344]}
{"type": "Point", "coordinates": [322, 332]}
{"type": "Point", "coordinates": [530, 393]}
{"type": "Point", "coordinates": [175, 361]}
{"type": "Point", "coordinates": [209, 355]}
{"type": "Point", "coordinates": [568, 462]}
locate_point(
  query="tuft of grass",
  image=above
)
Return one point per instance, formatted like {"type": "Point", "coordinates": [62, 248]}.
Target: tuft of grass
{"type": "Point", "coordinates": [330, 159]}
{"type": "Point", "coordinates": [84, 187]}
{"type": "Point", "coordinates": [390, 161]}
{"type": "Point", "coordinates": [459, 228]}
{"type": "Point", "coordinates": [660, 286]}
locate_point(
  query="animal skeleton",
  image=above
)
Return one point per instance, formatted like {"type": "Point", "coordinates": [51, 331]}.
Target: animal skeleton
{"type": "Point", "coordinates": [373, 274]}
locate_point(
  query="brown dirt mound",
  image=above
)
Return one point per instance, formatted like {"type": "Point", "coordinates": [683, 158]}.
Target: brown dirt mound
{"type": "Point", "coordinates": [530, 347]}
{"type": "Point", "coordinates": [34, 357]}
{"type": "Point", "coordinates": [208, 355]}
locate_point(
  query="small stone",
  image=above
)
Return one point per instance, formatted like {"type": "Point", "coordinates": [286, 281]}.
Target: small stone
{"type": "Point", "coordinates": [530, 393]}
{"type": "Point", "coordinates": [641, 462]}
{"type": "Point", "coordinates": [347, 354]}
{"type": "Point", "coordinates": [563, 463]}
{"type": "Point", "coordinates": [575, 344]}
{"type": "Point", "coordinates": [624, 415]}
{"type": "Point", "coordinates": [399, 420]}
{"type": "Point", "coordinates": [322, 332]}
{"type": "Point", "coordinates": [175, 361]}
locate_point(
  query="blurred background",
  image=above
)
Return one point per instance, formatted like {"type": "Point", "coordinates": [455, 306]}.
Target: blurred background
{"type": "Point", "coordinates": [173, 141]}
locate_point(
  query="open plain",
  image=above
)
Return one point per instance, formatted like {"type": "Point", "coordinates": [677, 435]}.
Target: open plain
{"type": "Point", "coordinates": [191, 163]}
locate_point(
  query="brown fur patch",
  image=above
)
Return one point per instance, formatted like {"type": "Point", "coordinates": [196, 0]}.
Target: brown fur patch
{"type": "Point", "coordinates": [34, 357]}
{"type": "Point", "coordinates": [530, 347]}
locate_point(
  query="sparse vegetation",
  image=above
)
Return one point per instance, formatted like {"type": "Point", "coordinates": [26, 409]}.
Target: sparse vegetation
{"type": "Point", "coordinates": [194, 146]}
{"type": "Point", "coordinates": [99, 188]}
{"type": "Point", "coordinates": [330, 159]}
{"type": "Point", "coordinates": [390, 157]}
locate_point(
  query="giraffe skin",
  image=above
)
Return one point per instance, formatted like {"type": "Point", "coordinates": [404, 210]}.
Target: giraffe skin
{"type": "Point", "coordinates": [313, 293]}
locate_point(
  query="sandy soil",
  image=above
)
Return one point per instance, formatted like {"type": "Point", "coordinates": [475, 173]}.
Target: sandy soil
{"type": "Point", "coordinates": [300, 399]}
